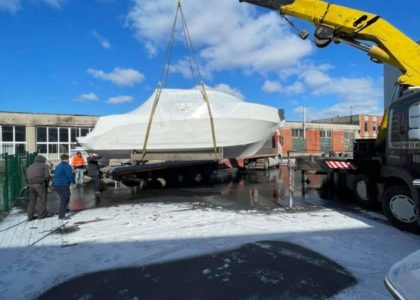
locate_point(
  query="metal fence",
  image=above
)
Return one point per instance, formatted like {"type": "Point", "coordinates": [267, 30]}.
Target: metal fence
{"type": "Point", "coordinates": [13, 177]}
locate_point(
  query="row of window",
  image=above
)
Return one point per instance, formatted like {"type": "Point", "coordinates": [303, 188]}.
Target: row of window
{"type": "Point", "coordinates": [13, 133]}
{"type": "Point", "coordinates": [12, 139]}
{"type": "Point", "coordinates": [60, 134]}
{"type": "Point", "coordinates": [298, 133]}
{"type": "Point", "coordinates": [375, 127]}
{"type": "Point", "coordinates": [50, 141]}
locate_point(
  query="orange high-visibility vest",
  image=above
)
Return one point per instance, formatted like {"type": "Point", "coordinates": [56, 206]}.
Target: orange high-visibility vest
{"type": "Point", "coordinates": [78, 161]}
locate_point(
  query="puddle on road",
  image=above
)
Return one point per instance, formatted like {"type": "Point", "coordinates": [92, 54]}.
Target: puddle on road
{"type": "Point", "coordinates": [262, 270]}
{"type": "Point", "coordinates": [247, 190]}
{"type": "Point", "coordinates": [252, 190]}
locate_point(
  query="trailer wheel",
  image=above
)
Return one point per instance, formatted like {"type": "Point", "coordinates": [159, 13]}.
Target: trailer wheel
{"type": "Point", "coordinates": [400, 208]}
{"type": "Point", "coordinates": [362, 191]}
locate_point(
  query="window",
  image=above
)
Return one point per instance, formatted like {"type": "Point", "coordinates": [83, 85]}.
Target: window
{"type": "Point", "coordinates": [53, 141]}
{"type": "Point", "coordinates": [52, 149]}
{"type": "Point", "coordinates": [7, 133]}
{"type": "Point", "coordinates": [64, 135]}
{"type": "Point", "coordinates": [41, 134]}
{"type": "Point", "coordinates": [297, 133]}
{"type": "Point", "coordinates": [20, 134]}
{"type": "Point", "coordinates": [84, 131]}
{"type": "Point", "coordinates": [42, 149]}
{"type": "Point", "coordinates": [20, 149]}
{"type": "Point", "coordinates": [7, 148]}
{"type": "Point", "coordinates": [52, 134]}
{"type": "Point", "coordinates": [74, 134]}
{"type": "Point", "coordinates": [12, 139]}
{"type": "Point", "coordinates": [349, 135]}
{"type": "Point", "coordinates": [64, 148]}
{"type": "Point", "coordinates": [325, 134]}
{"type": "Point", "coordinates": [366, 126]}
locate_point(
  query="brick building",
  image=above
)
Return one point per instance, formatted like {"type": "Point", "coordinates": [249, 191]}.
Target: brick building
{"type": "Point", "coordinates": [319, 138]}
{"type": "Point", "coordinates": [368, 125]}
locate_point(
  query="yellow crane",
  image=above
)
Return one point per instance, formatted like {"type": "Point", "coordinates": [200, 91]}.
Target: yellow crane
{"type": "Point", "coordinates": [388, 171]}
{"type": "Point", "coordinates": [335, 23]}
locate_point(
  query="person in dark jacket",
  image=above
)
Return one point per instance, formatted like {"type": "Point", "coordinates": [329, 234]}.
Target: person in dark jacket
{"type": "Point", "coordinates": [93, 170]}
{"type": "Point", "coordinates": [63, 178]}
{"type": "Point", "coordinates": [38, 177]}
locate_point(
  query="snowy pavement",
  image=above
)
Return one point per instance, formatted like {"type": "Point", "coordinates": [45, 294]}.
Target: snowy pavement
{"type": "Point", "coordinates": [35, 256]}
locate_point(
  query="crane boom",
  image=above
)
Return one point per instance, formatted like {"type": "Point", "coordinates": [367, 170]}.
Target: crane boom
{"type": "Point", "coordinates": [342, 24]}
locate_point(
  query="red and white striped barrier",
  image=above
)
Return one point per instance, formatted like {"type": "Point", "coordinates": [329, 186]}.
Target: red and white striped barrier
{"type": "Point", "coordinates": [344, 165]}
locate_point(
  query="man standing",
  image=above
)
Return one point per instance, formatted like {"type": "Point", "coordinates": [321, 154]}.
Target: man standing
{"type": "Point", "coordinates": [37, 176]}
{"type": "Point", "coordinates": [63, 178]}
{"type": "Point", "coordinates": [78, 163]}
{"type": "Point", "coordinates": [93, 170]}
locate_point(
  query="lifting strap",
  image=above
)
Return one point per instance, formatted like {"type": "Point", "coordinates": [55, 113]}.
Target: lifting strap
{"type": "Point", "coordinates": [164, 79]}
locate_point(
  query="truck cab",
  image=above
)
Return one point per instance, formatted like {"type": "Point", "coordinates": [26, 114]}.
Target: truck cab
{"type": "Point", "coordinates": [401, 166]}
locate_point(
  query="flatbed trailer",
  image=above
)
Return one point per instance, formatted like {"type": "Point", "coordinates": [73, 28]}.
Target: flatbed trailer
{"type": "Point", "coordinates": [173, 173]}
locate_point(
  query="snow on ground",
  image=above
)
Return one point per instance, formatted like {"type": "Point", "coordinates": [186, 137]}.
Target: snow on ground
{"type": "Point", "coordinates": [32, 259]}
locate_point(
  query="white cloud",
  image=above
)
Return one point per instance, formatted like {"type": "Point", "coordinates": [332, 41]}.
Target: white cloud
{"type": "Point", "coordinates": [87, 97]}
{"type": "Point", "coordinates": [228, 90]}
{"type": "Point", "coordinates": [54, 3]}
{"type": "Point", "coordinates": [151, 49]}
{"type": "Point", "coordinates": [276, 87]}
{"type": "Point", "coordinates": [120, 99]}
{"type": "Point", "coordinates": [119, 76]}
{"type": "Point", "coordinates": [227, 35]}
{"type": "Point", "coordinates": [355, 95]}
{"type": "Point", "coordinates": [15, 5]}
{"type": "Point", "coordinates": [350, 94]}
{"type": "Point", "coordinates": [101, 40]}
{"type": "Point", "coordinates": [10, 5]}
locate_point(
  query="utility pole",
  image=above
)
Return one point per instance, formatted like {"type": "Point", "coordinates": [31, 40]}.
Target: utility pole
{"type": "Point", "coordinates": [304, 123]}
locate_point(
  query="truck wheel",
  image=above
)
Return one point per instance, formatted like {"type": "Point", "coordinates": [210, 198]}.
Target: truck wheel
{"type": "Point", "coordinates": [400, 209]}
{"type": "Point", "coordinates": [362, 191]}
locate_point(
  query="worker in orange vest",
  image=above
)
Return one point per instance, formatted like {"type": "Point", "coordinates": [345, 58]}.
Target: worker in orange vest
{"type": "Point", "coordinates": [79, 164]}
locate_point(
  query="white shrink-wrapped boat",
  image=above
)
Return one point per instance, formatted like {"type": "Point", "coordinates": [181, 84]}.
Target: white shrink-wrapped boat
{"type": "Point", "coordinates": [181, 124]}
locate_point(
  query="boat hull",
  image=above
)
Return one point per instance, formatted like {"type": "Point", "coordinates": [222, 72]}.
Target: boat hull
{"type": "Point", "coordinates": [240, 130]}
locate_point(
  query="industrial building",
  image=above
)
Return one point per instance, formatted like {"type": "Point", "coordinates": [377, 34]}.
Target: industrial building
{"type": "Point", "coordinates": [368, 124]}
{"type": "Point", "coordinates": [47, 134]}
{"type": "Point", "coordinates": [317, 138]}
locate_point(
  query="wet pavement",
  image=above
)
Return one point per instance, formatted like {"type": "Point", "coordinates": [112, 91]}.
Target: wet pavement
{"type": "Point", "coordinates": [257, 270]}
{"type": "Point", "coordinates": [261, 270]}
{"type": "Point", "coordinates": [258, 190]}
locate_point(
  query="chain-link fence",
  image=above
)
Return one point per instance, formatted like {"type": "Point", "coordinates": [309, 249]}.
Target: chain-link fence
{"type": "Point", "coordinates": [13, 177]}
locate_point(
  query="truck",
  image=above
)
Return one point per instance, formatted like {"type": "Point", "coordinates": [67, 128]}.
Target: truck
{"type": "Point", "coordinates": [385, 170]}
{"type": "Point", "coordinates": [270, 155]}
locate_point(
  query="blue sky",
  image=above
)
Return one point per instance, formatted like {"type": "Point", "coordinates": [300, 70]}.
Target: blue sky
{"type": "Point", "coordinates": [105, 56]}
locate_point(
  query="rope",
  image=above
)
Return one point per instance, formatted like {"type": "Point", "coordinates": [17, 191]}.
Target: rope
{"type": "Point", "coordinates": [163, 81]}
{"type": "Point", "coordinates": [190, 48]}
{"type": "Point", "coordinates": [152, 114]}
{"type": "Point", "coordinates": [213, 132]}
{"type": "Point", "coordinates": [165, 73]}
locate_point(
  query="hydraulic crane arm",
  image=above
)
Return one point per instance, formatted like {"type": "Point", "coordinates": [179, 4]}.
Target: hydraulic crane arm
{"type": "Point", "coordinates": [341, 24]}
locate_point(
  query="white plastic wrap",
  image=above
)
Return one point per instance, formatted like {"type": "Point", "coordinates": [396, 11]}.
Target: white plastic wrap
{"type": "Point", "coordinates": [181, 122]}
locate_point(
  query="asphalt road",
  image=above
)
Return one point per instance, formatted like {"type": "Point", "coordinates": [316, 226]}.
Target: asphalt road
{"type": "Point", "coordinates": [263, 270]}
